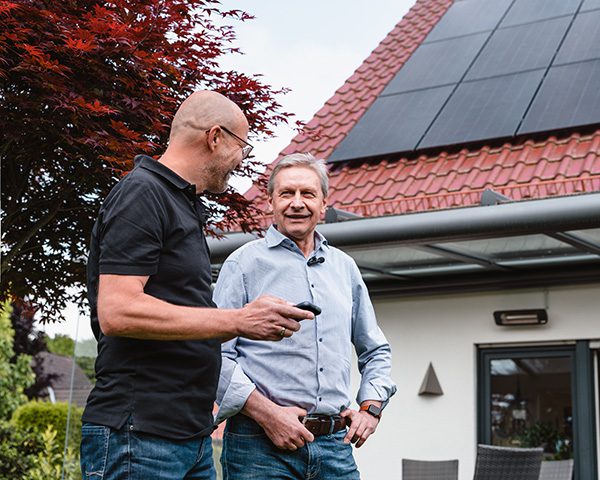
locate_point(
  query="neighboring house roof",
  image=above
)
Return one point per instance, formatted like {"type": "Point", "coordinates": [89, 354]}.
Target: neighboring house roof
{"type": "Point", "coordinates": [61, 369]}
{"type": "Point", "coordinates": [528, 168]}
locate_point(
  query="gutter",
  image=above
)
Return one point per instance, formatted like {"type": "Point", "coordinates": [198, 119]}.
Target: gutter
{"type": "Point", "coordinates": [542, 216]}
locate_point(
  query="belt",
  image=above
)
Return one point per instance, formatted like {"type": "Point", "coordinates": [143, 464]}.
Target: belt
{"type": "Point", "coordinates": [323, 424]}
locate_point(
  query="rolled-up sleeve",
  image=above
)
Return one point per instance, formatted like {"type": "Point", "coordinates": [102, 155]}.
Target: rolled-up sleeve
{"type": "Point", "coordinates": [372, 348]}
{"type": "Point", "coordinates": [234, 386]}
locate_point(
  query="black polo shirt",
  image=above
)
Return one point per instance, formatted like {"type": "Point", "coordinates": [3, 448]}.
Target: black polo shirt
{"type": "Point", "coordinates": [151, 224]}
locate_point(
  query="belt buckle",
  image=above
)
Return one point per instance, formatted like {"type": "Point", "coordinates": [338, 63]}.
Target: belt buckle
{"type": "Point", "coordinates": [322, 420]}
{"type": "Point", "coordinates": [310, 417]}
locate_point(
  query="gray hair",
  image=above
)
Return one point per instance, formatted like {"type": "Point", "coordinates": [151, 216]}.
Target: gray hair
{"type": "Point", "coordinates": [301, 160]}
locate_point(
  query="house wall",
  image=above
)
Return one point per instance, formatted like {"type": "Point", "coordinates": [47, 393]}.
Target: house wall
{"type": "Point", "coordinates": [446, 331]}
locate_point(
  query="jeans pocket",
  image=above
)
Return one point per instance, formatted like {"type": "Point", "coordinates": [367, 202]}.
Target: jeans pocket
{"type": "Point", "coordinates": [94, 450]}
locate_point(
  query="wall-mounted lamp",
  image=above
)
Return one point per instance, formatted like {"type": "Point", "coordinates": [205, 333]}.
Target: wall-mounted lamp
{"type": "Point", "coordinates": [521, 317]}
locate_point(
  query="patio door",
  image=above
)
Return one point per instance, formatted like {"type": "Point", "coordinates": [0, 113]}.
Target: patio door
{"type": "Point", "coordinates": [531, 397]}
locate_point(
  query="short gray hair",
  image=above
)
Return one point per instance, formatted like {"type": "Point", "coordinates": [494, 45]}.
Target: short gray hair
{"type": "Point", "coordinates": [301, 160]}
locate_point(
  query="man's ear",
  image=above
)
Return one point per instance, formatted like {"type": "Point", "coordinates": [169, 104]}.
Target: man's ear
{"type": "Point", "coordinates": [213, 137]}
{"type": "Point", "coordinates": [324, 206]}
{"type": "Point", "coordinates": [270, 203]}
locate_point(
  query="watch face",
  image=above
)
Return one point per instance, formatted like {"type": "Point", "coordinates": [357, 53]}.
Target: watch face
{"type": "Point", "coordinates": [374, 410]}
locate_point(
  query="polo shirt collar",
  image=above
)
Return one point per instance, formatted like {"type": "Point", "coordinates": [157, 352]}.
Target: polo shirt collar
{"type": "Point", "coordinates": [274, 237]}
{"type": "Point", "coordinates": [154, 166]}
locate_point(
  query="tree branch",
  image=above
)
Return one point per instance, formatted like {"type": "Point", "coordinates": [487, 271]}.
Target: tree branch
{"type": "Point", "coordinates": [31, 231]}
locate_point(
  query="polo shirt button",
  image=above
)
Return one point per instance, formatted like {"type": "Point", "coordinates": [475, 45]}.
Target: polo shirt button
{"type": "Point", "coordinates": [320, 398]}
{"type": "Point", "coordinates": [320, 339]}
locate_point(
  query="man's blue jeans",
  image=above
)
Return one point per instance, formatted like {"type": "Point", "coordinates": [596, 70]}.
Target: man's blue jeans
{"type": "Point", "coordinates": [249, 454]}
{"type": "Point", "coordinates": [109, 454]}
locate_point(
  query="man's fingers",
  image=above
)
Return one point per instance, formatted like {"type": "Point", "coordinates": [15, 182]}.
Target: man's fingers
{"type": "Point", "coordinates": [364, 436]}
{"type": "Point", "coordinates": [281, 333]}
{"type": "Point", "coordinates": [291, 325]}
{"type": "Point", "coordinates": [289, 311]}
{"type": "Point", "coordinates": [360, 433]}
{"type": "Point", "coordinates": [300, 412]}
{"type": "Point", "coordinates": [307, 436]}
{"type": "Point", "coordinates": [351, 433]}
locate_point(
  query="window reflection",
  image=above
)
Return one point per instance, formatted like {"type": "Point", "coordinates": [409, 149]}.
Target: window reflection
{"type": "Point", "coordinates": [531, 404]}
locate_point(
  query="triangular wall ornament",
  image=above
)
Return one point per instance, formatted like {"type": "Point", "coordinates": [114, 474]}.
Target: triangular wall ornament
{"type": "Point", "coordinates": [431, 384]}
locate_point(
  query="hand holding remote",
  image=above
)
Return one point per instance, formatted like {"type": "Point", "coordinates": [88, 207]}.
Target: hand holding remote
{"type": "Point", "coordinates": [311, 307]}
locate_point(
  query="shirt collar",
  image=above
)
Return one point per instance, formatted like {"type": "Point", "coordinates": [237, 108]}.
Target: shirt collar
{"type": "Point", "coordinates": [149, 163]}
{"type": "Point", "coordinates": [274, 237]}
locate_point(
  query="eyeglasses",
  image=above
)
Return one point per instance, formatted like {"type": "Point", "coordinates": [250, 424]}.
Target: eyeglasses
{"type": "Point", "coordinates": [246, 149]}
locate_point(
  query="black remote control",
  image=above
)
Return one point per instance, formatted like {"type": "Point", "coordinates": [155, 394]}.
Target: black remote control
{"type": "Point", "coordinates": [311, 307]}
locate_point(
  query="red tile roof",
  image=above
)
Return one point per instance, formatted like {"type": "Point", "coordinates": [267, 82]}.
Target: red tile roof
{"type": "Point", "coordinates": [525, 169]}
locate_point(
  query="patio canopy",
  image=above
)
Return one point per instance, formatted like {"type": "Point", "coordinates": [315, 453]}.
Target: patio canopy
{"type": "Point", "coordinates": [545, 242]}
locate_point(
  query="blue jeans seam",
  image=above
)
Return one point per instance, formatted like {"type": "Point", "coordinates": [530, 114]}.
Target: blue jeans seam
{"type": "Point", "coordinates": [107, 433]}
{"type": "Point", "coordinates": [128, 427]}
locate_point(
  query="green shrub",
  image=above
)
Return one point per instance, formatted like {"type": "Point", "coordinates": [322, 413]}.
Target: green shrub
{"type": "Point", "coordinates": [19, 451]}
{"type": "Point", "coordinates": [36, 416]}
{"type": "Point", "coordinates": [49, 463]}
{"type": "Point", "coordinates": [15, 373]}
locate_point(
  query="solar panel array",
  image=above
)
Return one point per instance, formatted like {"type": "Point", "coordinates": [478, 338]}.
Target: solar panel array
{"type": "Point", "coordinates": [489, 69]}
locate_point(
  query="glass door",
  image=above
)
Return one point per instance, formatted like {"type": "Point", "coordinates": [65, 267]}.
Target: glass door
{"type": "Point", "coordinates": [540, 397]}
{"type": "Point", "coordinates": [531, 403]}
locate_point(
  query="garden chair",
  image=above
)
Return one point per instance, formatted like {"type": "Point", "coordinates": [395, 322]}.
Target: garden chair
{"type": "Point", "coordinates": [506, 463]}
{"type": "Point", "coordinates": [557, 470]}
{"type": "Point", "coordinates": [429, 470]}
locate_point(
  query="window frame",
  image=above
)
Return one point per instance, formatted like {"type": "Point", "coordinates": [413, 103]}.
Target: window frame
{"type": "Point", "coordinates": [583, 394]}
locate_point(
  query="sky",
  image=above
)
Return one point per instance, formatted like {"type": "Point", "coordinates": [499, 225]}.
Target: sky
{"type": "Point", "coordinates": [310, 47]}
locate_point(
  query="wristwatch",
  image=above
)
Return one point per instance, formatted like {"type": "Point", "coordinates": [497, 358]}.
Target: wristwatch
{"type": "Point", "coordinates": [371, 410]}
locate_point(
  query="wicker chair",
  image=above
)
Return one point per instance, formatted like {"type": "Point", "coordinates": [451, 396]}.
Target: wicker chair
{"type": "Point", "coordinates": [429, 470]}
{"type": "Point", "coordinates": [504, 463]}
{"type": "Point", "coordinates": [557, 470]}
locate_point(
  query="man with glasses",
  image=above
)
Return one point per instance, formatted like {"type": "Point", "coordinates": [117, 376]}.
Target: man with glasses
{"type": "Point", "coordinates": [246, 147]}
{"type": "Point", "coordinates": [159, 336]}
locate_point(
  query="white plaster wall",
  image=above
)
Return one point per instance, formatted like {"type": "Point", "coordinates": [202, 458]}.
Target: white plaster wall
{"type": "Point", "coordinates": [446, 330]}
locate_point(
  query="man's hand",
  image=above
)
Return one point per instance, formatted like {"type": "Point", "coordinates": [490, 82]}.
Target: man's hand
{"type": "Point", "coordinates": [362, 426]}
{"type": "Point", "coordinates": [270, 318]}
{"type": "Point", "coordinates": [281, 424]}
{"type": "Point", "coordinates": [285, 430]}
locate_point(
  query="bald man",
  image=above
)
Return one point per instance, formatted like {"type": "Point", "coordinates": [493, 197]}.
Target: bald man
{"type": "Point", "coordinates": [159, 334]}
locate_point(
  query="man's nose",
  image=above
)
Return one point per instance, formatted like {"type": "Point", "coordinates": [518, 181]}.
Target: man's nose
{"type": "Point", "coordinates": [297, 201]}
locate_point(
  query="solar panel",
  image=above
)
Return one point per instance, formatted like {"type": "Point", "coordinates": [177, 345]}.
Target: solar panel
{"type": "Point", "coordinates": [583, 40]}
{"type": "Point", "coordinates": [516, 49]}
{"type": "Point", "coordinates": [526, 11]}
{"type": "Point", "coordinates": [469, 16]}
{"type": "Point", "coordinates": [452, 57]}
{"type": "Point", "coordinates": [484, 109]}
{"type": "Point", "coordinates": [568, 98]}
{"type": "Point", "coordinates": [394, 123]}
{"type": "Point", "coordinates": [590, 5]}
{"type": "Point", "coordinates": [479, 73]}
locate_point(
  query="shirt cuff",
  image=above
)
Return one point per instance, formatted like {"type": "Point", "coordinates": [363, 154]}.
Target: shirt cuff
{"type": "Point", "coordinates": [368, 391]}
{"type": "Point", "coordinates": [235, 397]}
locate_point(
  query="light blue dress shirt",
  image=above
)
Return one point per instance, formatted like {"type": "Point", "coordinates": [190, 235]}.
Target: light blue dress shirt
{"type": "Point", "coordinates": [311, 369]}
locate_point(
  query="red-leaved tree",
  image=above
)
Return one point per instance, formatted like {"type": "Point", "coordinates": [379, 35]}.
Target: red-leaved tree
{"type": "Point", "coordinates": [85, 85]}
